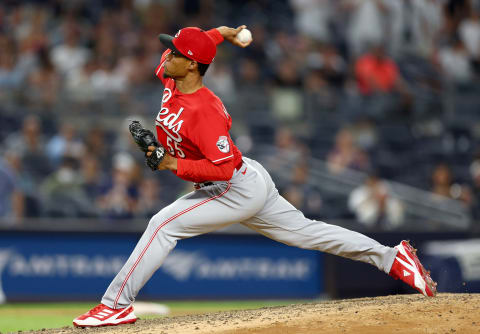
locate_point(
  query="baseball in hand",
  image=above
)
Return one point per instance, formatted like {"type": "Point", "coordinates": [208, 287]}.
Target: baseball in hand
{"type": "Point", "coordinates": [244, 36]}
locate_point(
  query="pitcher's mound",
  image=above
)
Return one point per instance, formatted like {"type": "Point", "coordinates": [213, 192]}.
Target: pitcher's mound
{"type": "Point", "coordinates": [446, 313]}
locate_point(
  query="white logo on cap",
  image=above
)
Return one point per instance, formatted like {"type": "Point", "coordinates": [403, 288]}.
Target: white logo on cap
{"type": "Point", "coordinates": [178, 33]}
{"type": "Point", "coordinates": [190, 53]}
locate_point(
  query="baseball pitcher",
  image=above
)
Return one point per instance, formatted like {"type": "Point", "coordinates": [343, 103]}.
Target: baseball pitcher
{"type": "Point", "coordinates": [193, 141]}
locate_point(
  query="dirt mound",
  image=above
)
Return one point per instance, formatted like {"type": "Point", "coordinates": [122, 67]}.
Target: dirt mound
{"type": "Point", "coordinates": [447, 313]}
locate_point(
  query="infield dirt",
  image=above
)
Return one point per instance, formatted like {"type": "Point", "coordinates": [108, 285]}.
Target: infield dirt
{"type": "Point", "coordinates": [446, 313]}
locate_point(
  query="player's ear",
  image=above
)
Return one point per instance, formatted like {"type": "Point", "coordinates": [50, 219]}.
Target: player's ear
{"type": "Point", "coordinates": [193, 65]}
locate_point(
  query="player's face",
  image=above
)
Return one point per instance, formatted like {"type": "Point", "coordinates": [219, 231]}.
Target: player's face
{"type": "Point", "coordinates": [176, 65]}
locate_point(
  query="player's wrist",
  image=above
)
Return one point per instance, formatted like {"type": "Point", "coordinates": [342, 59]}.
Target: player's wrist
{"type": "Point", "coordinates": [169, 163]}
{"type": "Point", "coordinates": [222, 30]}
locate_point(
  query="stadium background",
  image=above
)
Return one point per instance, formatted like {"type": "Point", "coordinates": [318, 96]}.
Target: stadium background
{"type": "Point", "coordinates": [364, 111]}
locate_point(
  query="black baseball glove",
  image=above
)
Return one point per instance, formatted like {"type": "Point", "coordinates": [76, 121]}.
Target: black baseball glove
{"type": "Point", "coordinates": [145, 138]}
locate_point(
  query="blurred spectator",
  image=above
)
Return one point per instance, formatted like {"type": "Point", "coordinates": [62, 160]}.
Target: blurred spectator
{"type": "Point", "coordinates": [414, 26]}
{"type": "Point", "coordinates": [92, 177]}
{"type": "Point", "coordinates": [366, 134]}
{"type": "Point", "coordinates": [286, 154]}
{"type": "Point", "coordinates": [78, 83]}
{"type": "Point", "coordinates": [29, 144]}
{"type": "Point", "coordinates": [63, 194]}
{"type": "Point", "coordinates": [346, 154]}
{"type": "Point", "coordinates": [43, 84]}
{"type": "Point", "coordinates": [455, 63]}
{"type": "Point", "coordinates": [96, 140]}
{"type": "Point", "coordinates": [301, 193]}
{"type": "Point", "coordinates": [376, 73]}
{"type": "Point", "coordinates": [366, 25]}
{"type": "Point", "coordinates": [427, 22]}
{"type": "Point", "coordinates": [13, 71]}
{"type": "Point", "coordinates": [119, 197]}
{"type": "Point", "coordinates": [286, 97]}
{"type": "Point", "coordinates": [323, 81]}
{"type": "Point", "coordinates": [25, 201]}
{"type": "Point", "coordinates": [107, 79]}
{"type": "Point", "coordinates": [464, 194]}
{"type": "Point", "coordinates": [469, 32]}
{"type": "Point", "coordinates": [329, 63]}
{"type": "Point", "coordinates": [69, 55]}
{"type": "Point", "coordinates": [64, 144]}
{"type": "Point", "coordinates": [251, 94]}
{"type": "Point", "coordinates": [443, 186]}
{"type": "Point", "coordinates": [385, 93]}
{"type": "Point", "coordinates": [455, 12]}
{"type": "Point", "coordinates": [12, 200]}
{"type": "Point", "coordinates": [7, 186]}
{"type": "Point", "coordinates": [250, 73]}
{"type": "Point", "coordinates": [442, 180]}
{"type": "Point", "coordinates": [137, 67]}
{"type": "Point", "coordinates": [319, 97]}
{"type": "Point", "coordinates": [312, 18]}
{"type": "Point", "coordinates": [374, 206]}
{"type": "Point", "coordinates": [149, 200]}
{"type": "Point", "coordinates": [280, 46]}
{"type": "Point", "coordinates": [475, 174]}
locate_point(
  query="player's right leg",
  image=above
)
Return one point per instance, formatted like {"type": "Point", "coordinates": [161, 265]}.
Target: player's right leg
{"type": "Point", "coordinates": [280, 221]}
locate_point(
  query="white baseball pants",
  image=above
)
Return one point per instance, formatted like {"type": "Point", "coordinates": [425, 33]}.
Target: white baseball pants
{"type": "Point", "coordinates": [249, 198]}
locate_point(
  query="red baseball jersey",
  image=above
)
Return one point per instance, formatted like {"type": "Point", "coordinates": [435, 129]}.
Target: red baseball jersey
{"type": "Point", "coordinates": [194, 126]}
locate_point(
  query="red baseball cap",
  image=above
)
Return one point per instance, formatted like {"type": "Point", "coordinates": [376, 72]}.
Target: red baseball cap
{"type": "Point", "coordinates": [193, 43]}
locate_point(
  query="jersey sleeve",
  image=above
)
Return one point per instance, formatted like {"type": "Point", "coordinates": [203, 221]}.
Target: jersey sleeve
{"type": "Point", "coordinates": [212, 138]}
{"type": "Point", "coordinates": [160, 69]}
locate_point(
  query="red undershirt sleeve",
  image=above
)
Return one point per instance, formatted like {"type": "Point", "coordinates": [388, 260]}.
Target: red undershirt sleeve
{"type": "Point", "coordinates": [160, 69]}
{"type": "Point", "coordinates": [215, 35]}
{"type": "Point", "coordinates": [204, 170]}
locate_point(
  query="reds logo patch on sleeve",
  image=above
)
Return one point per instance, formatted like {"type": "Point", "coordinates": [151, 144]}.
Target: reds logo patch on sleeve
{"type": "Point", "coordinates": [223, 144]}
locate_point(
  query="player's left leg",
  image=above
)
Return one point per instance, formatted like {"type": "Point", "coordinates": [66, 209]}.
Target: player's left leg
{"type": "Point", "coordinates": [279, 220]}
{"type": "Point", "coordinates": [282, 222]}
{"type": "Point", "coordinates": [289, 226]}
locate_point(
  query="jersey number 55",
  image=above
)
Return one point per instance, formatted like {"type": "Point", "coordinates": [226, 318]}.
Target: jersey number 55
{"type": "Point", "coordinates": [175, 148]}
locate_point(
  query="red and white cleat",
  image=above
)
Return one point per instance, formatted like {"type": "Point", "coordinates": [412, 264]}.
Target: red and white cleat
{"type": "Point", "coordinates": [407, 267]}
{"type": "Point", "coordinates": [102, 315]}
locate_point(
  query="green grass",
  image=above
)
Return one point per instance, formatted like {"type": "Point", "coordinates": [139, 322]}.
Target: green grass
{"type": "Point", "coordinates": [34, 316]}
{"type": "Point", "coordinates": [22, 316]}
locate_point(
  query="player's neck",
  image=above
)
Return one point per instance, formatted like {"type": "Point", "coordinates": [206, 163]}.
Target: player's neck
{"type": "Point", "coordinates": [189, 84]}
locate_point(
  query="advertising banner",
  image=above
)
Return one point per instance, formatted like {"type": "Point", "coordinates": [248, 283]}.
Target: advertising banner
{"type": "Point", "coordinates": [456, 264]}
{"type": "Point", "coordinates": [69, 266]}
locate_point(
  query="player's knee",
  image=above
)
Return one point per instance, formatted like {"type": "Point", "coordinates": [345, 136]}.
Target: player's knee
{"type": "Point", "coordinates": [156, 221]}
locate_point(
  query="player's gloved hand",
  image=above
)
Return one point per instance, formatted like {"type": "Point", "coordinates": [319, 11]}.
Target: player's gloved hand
{"type": "Point", "coordinates": [155, 158]}
{"type": "Point", "coordinates": [143, 137]}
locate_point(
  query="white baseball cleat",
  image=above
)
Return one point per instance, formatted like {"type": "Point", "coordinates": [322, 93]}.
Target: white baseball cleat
{"type": "Point", "coordinates": [102, 315]}
{"type": "Point", "coordinates": [407, 267]}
